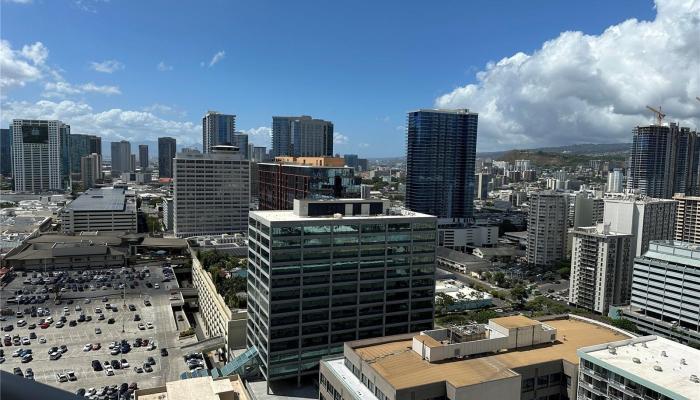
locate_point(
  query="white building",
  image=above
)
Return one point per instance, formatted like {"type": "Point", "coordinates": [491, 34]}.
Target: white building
{"type": "Point", "coordinates": [647, 367]}
{"type": "Point", "coordinates": [688, 219]}
{"type": "Point", "coordinates": [211, 192]}
{"type": "Point", "coordinates": [601, 268]}
{"type": "Point", "coordinates": [90, 170]}
{"type": "Point", "coordinates": [644, 217]}
{"type": "Point", "coordinates": [40, 155]}
{"type": "Point", "coordinates": [457, 236]}
{"type": "Point", "coordinates": [168, 218]}
{"type": "Point", "coordinates": [106, 209]}
{"type": "Point", "coordinates": [546, 228]}
{"type": "Point", "coordinates": [615, 181]}
{"type": "Point", "coordinates": [523, 165]}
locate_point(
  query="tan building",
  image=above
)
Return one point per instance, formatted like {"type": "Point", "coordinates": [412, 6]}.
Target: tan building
{"type": "Point", "coordinates": [688, 219]}
{"type": "Point", "coordinates": [316, 161]}
{"type": "Point", "coordinates": [508, 358]}
{"type": "Point", "coordinates": [205, 388]}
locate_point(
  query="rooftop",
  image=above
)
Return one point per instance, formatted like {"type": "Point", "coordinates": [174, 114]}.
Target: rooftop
{"type": "Point", "coordinates": [204, 388]}
{"type": "Point", "coordinates": [404, 368]}
{"type": "Point", "coordinates": [658, 363]}
{"type": "Point", "coordinates": [104, 199]}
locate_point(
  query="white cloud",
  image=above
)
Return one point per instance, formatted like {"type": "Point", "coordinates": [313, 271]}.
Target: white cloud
{"type": "Point", "coordinates": [400, 128]}
{"type": "Point", "coordinates": [217, 57]}
{"type": "Point", "coordinates": [20, 67]}
{"type": "Point", "coordinates": [107, 66]}
{"type": "Point", "coordinates": [363, 145]}
{"type": "Point", "coordinates": [339, 138]}
{"type": "Point", "coordinates": [162, 66]}
{"type": "Point", "coordinates": [582, 88]}
{"type": "Point", "coordinates": [88, 5]}
{"type": "Point", "coordinates": [18, 1]}
{"type": "Point", "coordinates": [261, 136]}
{"type": "Point", "coordinates": [62, 89]}
{"type": "Point", "coordinates": [113, 124]}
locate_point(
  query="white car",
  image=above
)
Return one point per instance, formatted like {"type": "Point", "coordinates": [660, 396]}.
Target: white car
{"type": "Point", "coordinates": [78, 308]}
{"type": "Point", "coordinates": [149, 325]}
{"type": "Point", "coordinates": [109, 371]}
{"type": "Point", "coordinates": [21, 323]}
{"type": "Point", "coordinates": [25, 341]}
{"type": "Point", "coordinates": [42, 340]}
{"type": "Point", "coordinates": [98, 310]}
{"type": "Point", "coordinates": [87, 347]}
{"type": "Point", "coordinates": [141, 326]}
{"type": "Point", "coordinates": [124, 364]}
{"type": "Point", "coordinates": [157, 286]}
{"type": "Point", "coordinates": [87, 301]}
{"type": "Point", "coordinates": [61, 377]}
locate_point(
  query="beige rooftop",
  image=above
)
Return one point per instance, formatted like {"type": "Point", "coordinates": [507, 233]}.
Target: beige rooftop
{"type": "Point", "coordinates": [204, 388]}
{"type": "Point", "coordinates": [404, 368]}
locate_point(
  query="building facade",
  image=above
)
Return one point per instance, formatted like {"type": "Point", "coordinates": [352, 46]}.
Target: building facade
{"type": "Point", "coordinates": [143, 156]}
{"type": "Point", "coordinates": [240, 140]}
{"type": "Point", "coordinates": [280, 183]}
{"type": "Point", "coordinates": [588, 210]}
{"type": "Point", "coordinates": [95, 145]}
{"type": "Point", "coordinates": [601, 268]}
{"type": "Point", "coordinates": [440, 154]}
{"type": "Point", "coordinates": [687, 219]}
{"type": "Point", "coordinates": [40, 155]}
{"type": "Point", "coordinates": [615, 181]}
{"type": "Point", "coordinates": [210, 192]}
{"type": "Point", "coordinates": [121, 158]}
{"type": "Point", "coordinates": [302, 136]}
{"type": "Point", "coordinates": [106, 209]}
{"type": "Point", "coordinates": [90, 170]}
{"type": "Point", "coordinates": [547, 228]}
{"type": "Point", "coordinates": [166, 152]}
{"type": "Point", "coordinates": [6, 152]}
{"type": "Point", "coordinates": [482, 186]}
{"type": "Point", "coordinates": [663, 161]}
{"type": "Point", "coordinates": [645, 218]}
{"type": "Point", "coordinates": [334, 271]}
{"type": "Point", "coordinates": [81, 146]}
{"type": "Point", "coordinates": [217, 129]}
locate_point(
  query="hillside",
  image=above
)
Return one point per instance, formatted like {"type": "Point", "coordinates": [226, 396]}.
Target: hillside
{"type": "Point", "coordinates": [591, 149]}
{"type": "Point", "coordinates": [557, 159]}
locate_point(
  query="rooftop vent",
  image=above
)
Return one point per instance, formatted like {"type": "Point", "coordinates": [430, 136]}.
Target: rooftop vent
{"type": "Point", "coordinates": [636, 360]}
{"type": "Point", "coordinates": [338, 216]}
{"type": "Point", "coordinates": [658, 368]}
{"type": "Point", "coordinates": [612, 350]}
{"type": "Point", "coordinates": [644, 345]}
{"type": "Point", "coordinates": [683, 361]}
{"type": "Point", "coordinates": [694, 378]}
{"type": "Point", "coordinates": [663, 353]}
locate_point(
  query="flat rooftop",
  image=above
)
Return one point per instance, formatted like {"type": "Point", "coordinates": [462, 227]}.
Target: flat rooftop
{"type": "Point", "coordinates": [104, 199]}
{"type": "Point", "coordinates": [404, 368]}
{"type": "Point", "coordinates": [290, 216]}
{"type": "Point", "coordinates": [204, 388]}
{"type": "Point", "coordinates": [673, 378]}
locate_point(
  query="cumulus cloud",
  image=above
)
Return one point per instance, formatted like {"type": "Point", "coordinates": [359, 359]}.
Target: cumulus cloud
{"type": "Point", "coordinates": [107, 66]}
{"type": "Point", "coordinates": [590, 88]}
{"type": "Point", "coordinates": [162, 66]}
{"type": "Point", "coordinates": [217, 57]}
{"type": "Point", "coordinates": [113, 124]}
{"type": "Point", "coordinates": [261, 136]}
{"type": "Point", "coordinates": [18, 1]}
{"type": "Point", "coordinates": [339, 138]}
{"type": "Point", "coordinates": [62, 89]}
{"type": "Point", "coordinates": [21, 66]}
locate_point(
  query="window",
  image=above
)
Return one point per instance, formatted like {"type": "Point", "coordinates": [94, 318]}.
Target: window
{"type": "Point", "coordinates": [528, 385]}
{"type": "Point", "coordinates": [542, 381]}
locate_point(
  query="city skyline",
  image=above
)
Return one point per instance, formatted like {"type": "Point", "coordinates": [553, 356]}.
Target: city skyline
{"type": "Point", "coordinates": [119, 94]}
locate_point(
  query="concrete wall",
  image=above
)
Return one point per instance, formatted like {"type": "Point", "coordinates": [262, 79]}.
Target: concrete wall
{"type": "Point", "coordinates": [502, 389]}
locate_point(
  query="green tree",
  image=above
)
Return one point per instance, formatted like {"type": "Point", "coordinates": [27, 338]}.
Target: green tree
{"type": "Point", "coordinates": [443, 302]}
{"type": "Point", "coordinates": [519, 294]}
{"type": "Point", "coordinates": [499, 278]}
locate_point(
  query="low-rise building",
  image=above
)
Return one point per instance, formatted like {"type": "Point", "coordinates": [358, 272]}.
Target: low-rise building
{"type": "Point", "coordinates": [509, 358]}
{"type": "Point", "coordinates": [458, 235]}
{"type": "Point", "coordinates": [647, 367]}
{"type": "Point", "coordinates": [51, 252]}
{"type": "Point", "coordinates": [235, 245]}
{"type": "Point", "coordinates": [458, 261]}
{"type": "Point", "coordinates": [105, 209]}
{"type": "Point", "coordinates": [203, 388]}
{"type": "Point", "coordinates": [463, 297]}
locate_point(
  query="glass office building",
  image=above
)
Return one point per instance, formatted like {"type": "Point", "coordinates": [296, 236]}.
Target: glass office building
{"type": "Point", "coordinates": [332, 271]}
{"type": "Point", "coordinates": [440, 155]}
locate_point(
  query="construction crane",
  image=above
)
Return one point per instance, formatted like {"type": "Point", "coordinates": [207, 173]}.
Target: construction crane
{"type": "Point", "coordinates": [659, 115]}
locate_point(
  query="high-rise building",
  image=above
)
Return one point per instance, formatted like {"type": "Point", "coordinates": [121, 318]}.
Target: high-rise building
{"type": "Point", "coordinates": [143, 156]}
{"type": "Point", "coordinates": [440, 154]}
{"type": "Point", "coordinates": [40, 155]}
{"type": "Point", "coordinates": [645, 218]}
{"type": "Point", "coordinates": [90, 170]}
{"type": "Point", "coordinates": [6, 152]}
{"type": "Point", "coordinates": [81, 146]}
{"type": "Point", "coordinates": [95, 145]}
{"type": "Point", "coordinates": [615, 181]}
{"type": "Point", "coordinates": [601, 268]}
{"type": "Point", "coordinates": [210, 192]}
{"type": "Point", "coordinates": [217, 129]}
{"type": "Point", "coordinates": [240, 140]}
{"type": "Point", "coordinates": [647, 367]}
{"type": "Point", "coordinates": [687, 219]}
{"type": "Point", "coordinates": [333, 271]}
{"type": "Point", "coordinates": [351, 160]}
{"type": "Point", "coordinates": [302, 137]}
{"type": "Point", "coordinates": [166, 153]}
{"type": "Point", "coordinates": [588, 210]}
{"type": "Point", "coordinates": [482, 186]}
{"type": "Point", "coordinates": [259, 154]}
{"type": "Point", "coordinates": [363, 163]}
{"type": "Point", "coordinates": [290, 178]}
{"type": "Point", "coordinates": [510, 358]}
{"type": "Point", "coordinates": [523, 165]}
{"type": "Point", "coordinates": [663, 161]}
{"type": "Point", "coordinates": [121, 158]}
{"type": "Point", "coordinates": [547, 228]}
{"type": "Point", "coordinates": [665, 291]}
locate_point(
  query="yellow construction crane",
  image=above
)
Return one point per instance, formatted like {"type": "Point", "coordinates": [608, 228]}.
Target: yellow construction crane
{"type": "Point", "coordinates": [659, 115]}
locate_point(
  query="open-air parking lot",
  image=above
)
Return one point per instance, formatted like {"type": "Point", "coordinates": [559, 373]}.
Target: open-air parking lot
{"type": "Point", "coordinates": [72, 345]}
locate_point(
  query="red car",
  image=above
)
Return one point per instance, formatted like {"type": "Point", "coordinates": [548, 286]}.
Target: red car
{"type": "Point", "coordinates": [44, 325]}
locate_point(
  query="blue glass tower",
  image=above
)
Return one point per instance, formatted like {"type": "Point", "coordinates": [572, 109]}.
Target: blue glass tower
{"type": "Point", "coordinates": [440, 154]}
{"type": "Point", "coordinates": [217, 129]}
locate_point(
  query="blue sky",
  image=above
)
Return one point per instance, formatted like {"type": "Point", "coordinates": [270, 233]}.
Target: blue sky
{"type": "Point", "coordinates": [360, 64]}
